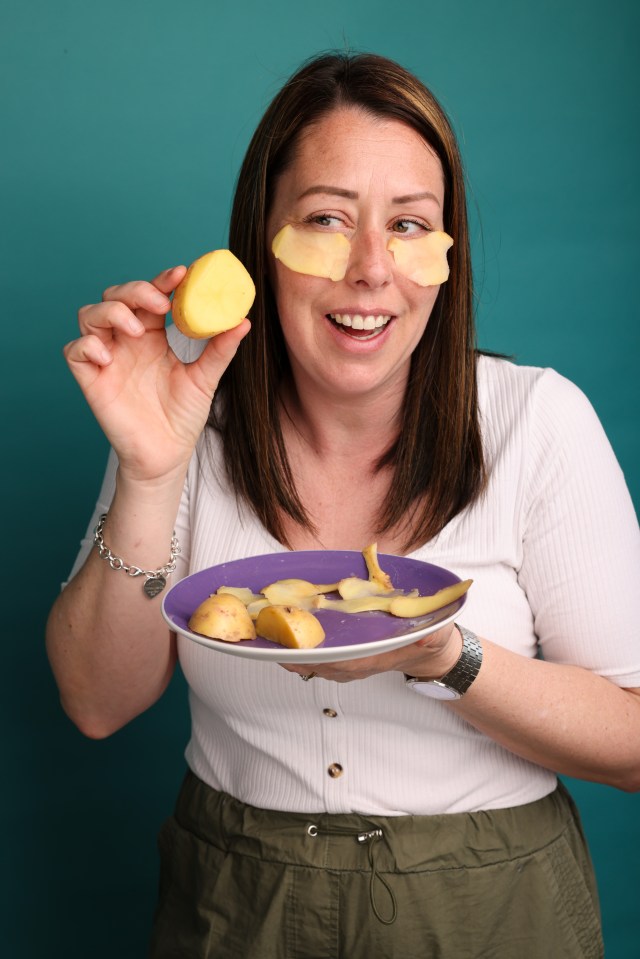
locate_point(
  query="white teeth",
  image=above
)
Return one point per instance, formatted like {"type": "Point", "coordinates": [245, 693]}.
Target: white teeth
{"type": "Point", "coordinates": [359, 322]}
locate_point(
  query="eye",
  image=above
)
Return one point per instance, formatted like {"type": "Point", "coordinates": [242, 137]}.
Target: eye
{"type": "Point", "coordinates": [409, 227]}
{"type": "Point", "coordinates": [323, 219]}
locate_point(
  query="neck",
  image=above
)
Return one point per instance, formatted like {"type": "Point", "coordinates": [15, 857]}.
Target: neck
{"type": "Point", "coordinates": [336, 425]}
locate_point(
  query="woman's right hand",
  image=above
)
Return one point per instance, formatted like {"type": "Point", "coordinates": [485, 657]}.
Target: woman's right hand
{"type": "Point", "coordinates": [151, 406]}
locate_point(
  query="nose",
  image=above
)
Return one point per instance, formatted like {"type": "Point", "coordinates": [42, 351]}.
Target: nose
{"type": "Point", "coordinates": [370, 262]}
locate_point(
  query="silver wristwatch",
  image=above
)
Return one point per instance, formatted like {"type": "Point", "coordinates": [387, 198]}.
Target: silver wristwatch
{"type": "Point", "coordinates": [458, 680]}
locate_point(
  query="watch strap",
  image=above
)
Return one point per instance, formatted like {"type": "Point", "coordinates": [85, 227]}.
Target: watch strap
{"type": "Point", "coordinates": [468, 665]}
{"type": "Point", "coordinates": [460, 677]}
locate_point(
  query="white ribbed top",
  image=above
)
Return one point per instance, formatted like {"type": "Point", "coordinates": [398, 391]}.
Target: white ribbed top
{"type": "Point", "coordinates": [554, 551]}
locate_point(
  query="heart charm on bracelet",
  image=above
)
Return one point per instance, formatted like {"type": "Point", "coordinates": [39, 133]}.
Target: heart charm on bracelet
{"type": "Point", "coordinates": [154, 585]}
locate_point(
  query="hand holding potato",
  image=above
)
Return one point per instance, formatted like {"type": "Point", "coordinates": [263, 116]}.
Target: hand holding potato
{"type": "Point", "coordinates": [151, 406]}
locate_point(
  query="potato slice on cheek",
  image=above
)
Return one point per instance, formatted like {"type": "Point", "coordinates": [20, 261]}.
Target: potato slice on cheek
{"type": "Point", "coordinates": [314, 254]}
{"type": "Point", "coordinates": [423, 261]}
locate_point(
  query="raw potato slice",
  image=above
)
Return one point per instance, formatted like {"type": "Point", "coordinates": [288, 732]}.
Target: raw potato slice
{"type": "Point", "coordinates": [290, 626]}
{"type": "Point", "coordinates": [410, 606]}
{"type": "Point", "coordinates": [215, 295]}
{"type": "Point", "coordinates": [223, 616]}
{"type": "Point", "coordinates": [424, 261]}
{"type": "Point", "coordinates": [316, 254]}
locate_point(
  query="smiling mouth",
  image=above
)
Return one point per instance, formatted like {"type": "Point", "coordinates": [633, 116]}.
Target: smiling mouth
{"type": "Point", "coordinates": [361, 326]}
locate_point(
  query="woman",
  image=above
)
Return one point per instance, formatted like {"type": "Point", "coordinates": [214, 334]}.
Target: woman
{"type": "Point", "coordinates": [348, 816]}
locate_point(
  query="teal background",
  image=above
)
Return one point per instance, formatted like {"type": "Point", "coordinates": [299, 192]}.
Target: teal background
{"type": "Point", "coordinates": [123, 126]}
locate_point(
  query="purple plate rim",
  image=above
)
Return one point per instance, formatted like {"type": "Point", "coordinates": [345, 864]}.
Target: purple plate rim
{"type": "Point", "coordinates": [349, 636]}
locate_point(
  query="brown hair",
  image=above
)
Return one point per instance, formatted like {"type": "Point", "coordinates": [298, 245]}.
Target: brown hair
{"type": "Point", "coordinates": [437, 457]}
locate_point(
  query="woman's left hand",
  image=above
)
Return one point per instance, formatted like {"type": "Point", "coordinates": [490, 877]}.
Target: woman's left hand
{"type": "Point", "coordinates": [431, 657]}
{"type": "Point", "coordinates": [563, 717]}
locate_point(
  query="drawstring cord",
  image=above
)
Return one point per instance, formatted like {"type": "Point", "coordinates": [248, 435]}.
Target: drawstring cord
{"type": "Point", "coordinates": [371, 838]}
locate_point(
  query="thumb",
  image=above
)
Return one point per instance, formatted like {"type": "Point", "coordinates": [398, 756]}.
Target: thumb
{"type": "Point", "coordinates": [217, 355]}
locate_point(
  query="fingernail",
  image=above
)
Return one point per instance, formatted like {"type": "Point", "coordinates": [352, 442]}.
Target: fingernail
{"type": "Point", "coordinates": [135, 325]}
{"type": "Point", "coordinates": [160, 300]}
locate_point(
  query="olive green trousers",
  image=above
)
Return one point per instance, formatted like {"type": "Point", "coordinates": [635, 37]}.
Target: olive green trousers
{"type": "Point", "coordinates": [238, 882]}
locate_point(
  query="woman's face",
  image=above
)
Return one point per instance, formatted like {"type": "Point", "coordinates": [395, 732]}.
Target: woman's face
{"type": "Point", "coordinates": [370, 179]}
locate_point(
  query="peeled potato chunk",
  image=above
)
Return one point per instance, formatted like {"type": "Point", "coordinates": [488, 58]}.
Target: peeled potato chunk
{"type": "Point", "coordinates": [290, 626]}
{"type": "Point", "coordinates": [316, 254]}
{"type": "Point", "coordinates": [424, 261]}
{"type": "Point", "coordinates": [223, 616]}
{"type": "Point", "coordinates": [215, 295]}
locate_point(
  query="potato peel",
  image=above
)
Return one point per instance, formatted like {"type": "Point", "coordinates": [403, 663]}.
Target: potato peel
{"type": "Point", "coordinates": [409, 607]}
{"type": "Point", "coordinates": [376, 574]}
{"type": "Point", "coordinates": [295, 625]}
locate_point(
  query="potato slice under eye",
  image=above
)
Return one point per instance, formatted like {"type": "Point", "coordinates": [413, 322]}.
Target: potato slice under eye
{"type": "Point", "coordinates": [424, 261]}
{"type": "Point", "coordinates": [315, 254]}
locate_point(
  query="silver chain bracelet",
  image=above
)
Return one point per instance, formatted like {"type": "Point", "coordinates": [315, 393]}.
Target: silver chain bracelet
{"type": "Point", "coordinates": [155, 580]}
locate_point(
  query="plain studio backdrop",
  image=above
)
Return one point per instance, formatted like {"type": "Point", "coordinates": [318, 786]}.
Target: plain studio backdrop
{"type": "Point", "coordinates": [123, 128]}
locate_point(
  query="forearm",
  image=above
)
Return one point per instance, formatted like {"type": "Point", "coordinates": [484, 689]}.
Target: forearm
{"type": "Point", "coordinates": [110, 650]}
{"type": "Point", "coordinates": [562, 717]}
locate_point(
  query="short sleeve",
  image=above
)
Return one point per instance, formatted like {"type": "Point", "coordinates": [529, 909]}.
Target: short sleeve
{"type": "Point", "coordinates": [581, 556]}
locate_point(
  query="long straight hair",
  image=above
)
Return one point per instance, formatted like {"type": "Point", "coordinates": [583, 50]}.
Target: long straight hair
{"type": "Point", "coordinates": [436, 459]}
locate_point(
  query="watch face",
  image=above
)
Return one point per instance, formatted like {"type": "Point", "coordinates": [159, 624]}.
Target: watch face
{"type": "Point", "coordinates": [435, 690]}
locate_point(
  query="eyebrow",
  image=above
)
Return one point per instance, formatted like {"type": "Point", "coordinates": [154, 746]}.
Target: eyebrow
{"type": "Point", "coordinates": [411, 197]}
{"type": "Point", "coordinates": [333, 190]}
{"type": "Point", "coordinates": [352, 195]}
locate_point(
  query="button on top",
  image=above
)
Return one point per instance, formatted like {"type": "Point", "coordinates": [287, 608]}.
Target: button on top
{"type": "Point", "coordinates": [335, 770]}
{"type": "Point", "coordinates": [331, 713]}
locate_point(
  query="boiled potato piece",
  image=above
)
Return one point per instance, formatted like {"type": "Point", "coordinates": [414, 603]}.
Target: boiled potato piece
{"type": "Point", "coordinates": [290, 626]}
{"type": "Point", "coordinates": [315, 254]}
{"type": "Point", "coordinates": [223, 616]}
{"type": "Point", "coordinates": [215, 295]}
{"type": "Point", "coordinates": [410, 606]}
{"type": "Point", "coordinates": [424, 261]}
